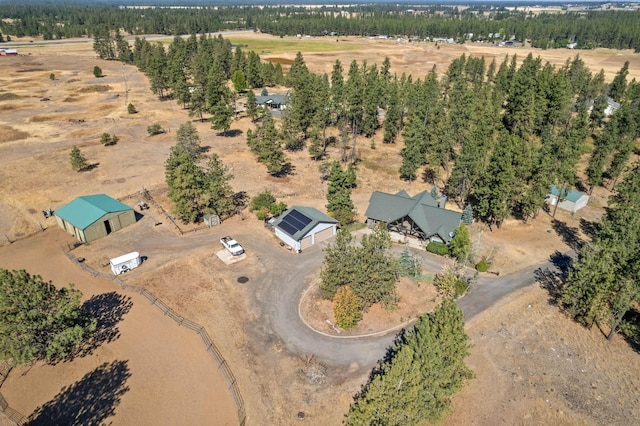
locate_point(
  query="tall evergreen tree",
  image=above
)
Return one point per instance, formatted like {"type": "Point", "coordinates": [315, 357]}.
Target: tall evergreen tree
{"type": "Point", "coordinates": [425, 369]}
{"type": "Point", "coordinates": [38, 320]}
{"type": "Point", "coordinates": [604, 283]}
{"type": "Point", "coordinates": [339, 203]}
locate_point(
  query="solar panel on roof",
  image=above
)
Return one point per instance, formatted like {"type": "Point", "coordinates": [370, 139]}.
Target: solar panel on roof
{"type": "Point", "coordinates": [293, 222]}
{"type": "Point", "coordinates": [286, 227]}
{"type": "Point", "coordinates": [299, 216]}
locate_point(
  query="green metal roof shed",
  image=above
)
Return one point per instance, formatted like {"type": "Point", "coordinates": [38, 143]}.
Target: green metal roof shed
{"type": "Point", "coordinates": [93, 216]}
{"type": "Point", "coordinates": [570, 200]}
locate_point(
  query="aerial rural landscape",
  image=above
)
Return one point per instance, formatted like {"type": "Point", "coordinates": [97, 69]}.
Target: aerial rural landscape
{"type": "Point", "coordinates": [319, 214]}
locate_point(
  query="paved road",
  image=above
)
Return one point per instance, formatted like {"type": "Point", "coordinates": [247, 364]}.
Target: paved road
{"type": "Point", "coordinates": [287, 278]}
{"type": "Point", "coordinates": [279, 278]}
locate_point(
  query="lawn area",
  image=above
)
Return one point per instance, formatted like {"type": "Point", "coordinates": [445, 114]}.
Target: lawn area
{"type": "Point", "coordinates": [293, 44]}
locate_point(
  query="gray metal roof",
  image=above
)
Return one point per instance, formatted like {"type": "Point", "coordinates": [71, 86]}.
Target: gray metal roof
{"type": "Point", "coordinates": [272, 99]}
{"type": "Point", "coordinates": [422, 208]}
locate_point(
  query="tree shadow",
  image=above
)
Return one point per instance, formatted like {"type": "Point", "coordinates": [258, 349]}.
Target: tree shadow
{"type": "Point", "coordinates": [240, 200]}
{"type": "Point", "coordinates": [553, 280]}
{"type": "Point", "coordinates": [230, 133]}
{"type": "Point", "coordinates": [90, 167]}
{"type": "Point", "coordinates": [429, 176]}
{"type": "Point", "coordinates": [589, 228]}
{"type": "Point", "coordinates": [580, 186]}
{"type": "Point", "coordinates": [89, 401]}
{"type": "Point", "coordinates": [286, 170]}
{"type": "Point", "coordinates": [568, 234]}
{"type": "Point", "coordinates": [108, 309]}
{"type": "Point", "coordinates": [631, 329]}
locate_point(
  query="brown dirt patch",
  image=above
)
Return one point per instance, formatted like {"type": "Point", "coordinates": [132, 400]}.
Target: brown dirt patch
{"type": "Point", "coordinates": [534, 366]}
{"type": "Point", "coordinates": [9, 134]}
{"type": "Point", "coordinates": [173, 380]}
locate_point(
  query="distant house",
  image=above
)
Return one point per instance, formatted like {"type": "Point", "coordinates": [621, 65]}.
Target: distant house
{"type": "Point", "coordinates": [420, 216]}
{"type": "Point", "coordinates": [272, 101]}
{"type": "Point", "coordinates": [94, 216]}
{"type": "Point", "coordinates": [302, 227]}
{"type": "Point", "coordinates": [571, 201]}
{"type": "Point", "coordinates": [612, 106]}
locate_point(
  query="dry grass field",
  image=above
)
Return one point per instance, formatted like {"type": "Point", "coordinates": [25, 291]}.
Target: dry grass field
{"type": "Point", "coordinates": [532, 365]}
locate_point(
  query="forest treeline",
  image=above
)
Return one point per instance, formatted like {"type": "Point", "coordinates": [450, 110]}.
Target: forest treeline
{"type": "Point", "coordinates": [589, 28]}
{"type": "Point", "coordinates": [492, 135]}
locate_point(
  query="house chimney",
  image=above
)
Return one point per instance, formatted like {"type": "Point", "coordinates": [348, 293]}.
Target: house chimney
{"type": "Point", "coordinates": [443, 201]}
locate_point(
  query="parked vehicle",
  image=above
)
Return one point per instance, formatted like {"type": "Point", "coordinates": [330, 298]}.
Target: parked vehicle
{"type": "Point", "coordinates": [125, 262]}
{"type": "Point", "coordinates": [232, 245]}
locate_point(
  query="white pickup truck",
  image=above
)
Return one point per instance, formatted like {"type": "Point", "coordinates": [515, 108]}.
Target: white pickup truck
{"type": "Point", "coordinates": [232, 245]}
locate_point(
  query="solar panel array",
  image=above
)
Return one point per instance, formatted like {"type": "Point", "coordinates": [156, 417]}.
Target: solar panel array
{"type": "Point", "coordinates": [293, 222]}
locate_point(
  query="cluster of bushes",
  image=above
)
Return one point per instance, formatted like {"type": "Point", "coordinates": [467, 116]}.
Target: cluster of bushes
{"type": "Point", "coordinates": [106, 139]}
{"type": "Point", "coordinates": [265, 205]}
{"type": "Point", "coordinates": [438, 248]}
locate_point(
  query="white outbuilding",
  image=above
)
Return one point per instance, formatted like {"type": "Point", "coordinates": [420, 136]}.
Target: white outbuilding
{"type": "Point", "coordinates": [302, 227]}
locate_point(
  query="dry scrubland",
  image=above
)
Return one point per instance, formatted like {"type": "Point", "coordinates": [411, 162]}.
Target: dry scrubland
{"type": "Point", "coordinates": [533, 366]}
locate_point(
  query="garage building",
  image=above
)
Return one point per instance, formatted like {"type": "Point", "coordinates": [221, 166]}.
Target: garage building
{"type": "Point", "coordinates": [302, 227]}
{"type": "Point", "coordinates": [93, 216]}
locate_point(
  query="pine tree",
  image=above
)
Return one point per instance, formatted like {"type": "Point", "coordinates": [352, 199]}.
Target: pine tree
{"type": "Point", "coordinates": [221, 114]}
{"type": "Point", "coordinates": [619, 83]}
{"type": "Point", "coordinates": [460, 244]}
{"type": "Point", "coordinates": [252, 106]}
{"type": "Point", "coordinates": [425, 369]}
{"type": "Point", "coordinates": [604, 281]}
{"type": "Point", "coordinates": [339, 202]}
{"type": "Point", "coordinates": [337, 266]}
{"type": "Point", "coordinates": [218, 193]}
{"type": "Point", "coordinates": [78, 161]}
{"type": "Point", "coordinates": [37, 320]}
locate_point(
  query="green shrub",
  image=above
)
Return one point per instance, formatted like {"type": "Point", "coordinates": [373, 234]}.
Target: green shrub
{"type": "Point", "coordinates": [106, 139]}
{"type": "Point", "coordinates": [131, 109]}
{"type": "Point", "coordinates": [97, 71]}
{"type": "Point", "coordinates": [482, 266]}
{"type": "Point", "coordinates": [155, 129]}
{"type": "Point", "coordinates": [265, 204]}
{"type": "Point", "coordinates": [436, 247]}
{"type": "Point", "coordinates": [263, 199]}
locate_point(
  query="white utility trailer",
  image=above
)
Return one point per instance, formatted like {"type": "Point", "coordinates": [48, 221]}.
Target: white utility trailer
{"type": "Point", "coordinates": [125, 262]}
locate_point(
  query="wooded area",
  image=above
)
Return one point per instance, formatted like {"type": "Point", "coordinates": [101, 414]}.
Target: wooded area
{"type": "Point", "coordinates": [615, 29]}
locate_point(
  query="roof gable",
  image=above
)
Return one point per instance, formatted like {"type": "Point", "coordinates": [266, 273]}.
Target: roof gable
{"type": "Point", "coordinates": [272, 99]}
{"type": "Point", "coordinates": [422, 208]}
{"type": "Point", "coordinates": [86, 210]}
{"type": "Point", "coordinates": [298, 221]}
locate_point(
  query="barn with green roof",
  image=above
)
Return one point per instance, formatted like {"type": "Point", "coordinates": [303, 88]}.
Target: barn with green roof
{"type": "Point", "coordinates": [94, 216]}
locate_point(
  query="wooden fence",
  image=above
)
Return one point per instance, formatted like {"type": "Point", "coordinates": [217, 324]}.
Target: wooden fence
{"type": "Point", "coordinates": [9, 412]}
{"type": "Point", "coordinates": [232, 384]}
